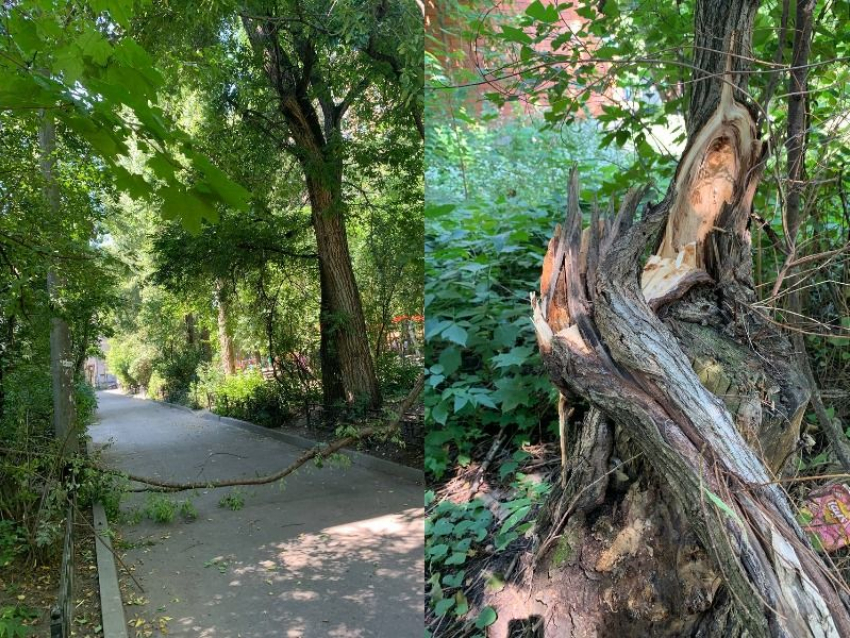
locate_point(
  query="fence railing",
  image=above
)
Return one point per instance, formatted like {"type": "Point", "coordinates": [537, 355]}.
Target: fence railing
{"type": "Point", "coordinates": [62, 612]}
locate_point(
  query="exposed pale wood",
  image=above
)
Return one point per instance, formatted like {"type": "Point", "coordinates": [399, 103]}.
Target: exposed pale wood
{"type": "Point", "coordinates": [630, 365]}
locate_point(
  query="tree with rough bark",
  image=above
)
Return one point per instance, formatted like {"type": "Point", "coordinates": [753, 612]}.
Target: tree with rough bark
{"type": "Point", "coordinates": [679, 368]}
{"type": "Point", "coordinates": [669, 515]}
{"type": "Point", "coordinates": [295, 52]}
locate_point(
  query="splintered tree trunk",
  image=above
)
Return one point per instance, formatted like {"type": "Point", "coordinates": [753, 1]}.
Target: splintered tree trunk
{"type": "Point", "coordinates": [669, 522]}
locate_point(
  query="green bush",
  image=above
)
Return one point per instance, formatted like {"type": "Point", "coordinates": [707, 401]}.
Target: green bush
{"type": "Point", "coordinates": [245, 395]}
{"type": "Point", "coordinates": [178, 371]}
{"type": "Point", "coordinates": [33, 493]}
{"type": "Point", "coordinates": [495, 197]}
{"type": "Point", "coordinates": [156, 386]}
{"type": "Point", "coordinates": [85, 402]}
{"type": "Point", "coordinates": [396, 374]}
{"type": "Point", "coordinates": [129, 361]}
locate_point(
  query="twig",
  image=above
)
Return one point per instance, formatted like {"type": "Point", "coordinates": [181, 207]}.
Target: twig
{"type": "Point", "coordinates": [491, 454]}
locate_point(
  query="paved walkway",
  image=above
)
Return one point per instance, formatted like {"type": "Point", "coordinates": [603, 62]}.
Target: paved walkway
{"type": "Point", "coordinates": [334, 553]}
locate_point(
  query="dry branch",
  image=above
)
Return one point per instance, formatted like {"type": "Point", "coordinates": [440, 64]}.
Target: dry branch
{"type": "Point", "coordinates": [316, 452]}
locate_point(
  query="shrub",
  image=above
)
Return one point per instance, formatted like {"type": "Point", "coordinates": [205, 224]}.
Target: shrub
{"type": "Point", "coordinates": [160, 509]}
{"type": "Point", "coordinates": [85, 401]}
{"type": "Point", "coordinates": [234, 501]}
{"type": "Point", "coordinates": [396, 374]}
{"type": "Point", "coordinates": [32, 492]}
{"type": "Point", "coordinates": [178, 371]}
{"type": "Point", "coordinates": [156, 386]}
{"type": "Point", "coordinates": [245, 395]}
{"type": "Point", "coordinates": [130, 361]}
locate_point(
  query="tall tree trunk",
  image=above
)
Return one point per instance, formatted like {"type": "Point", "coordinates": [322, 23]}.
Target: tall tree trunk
{"type": "Point", "coordinates": [191, 335]}
{"type": "Point", "coordinates": [225, 330]}
{"type": "Point", "coordinates": [319, 149]}
{"type": "Point", "coordinates": [61, 358]}
{"type": "Point", "coordinates": [695, 399]}
{"type": "Point", "coordinates": [333, 391]}
{"type": "Point", "coordinates": [345, 312]}
{"type": "Point", "coordinates": [795, 145]}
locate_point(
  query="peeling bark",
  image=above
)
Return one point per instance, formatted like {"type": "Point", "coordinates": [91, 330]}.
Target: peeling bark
{"type": "Point", "coordinates": [693, 381]}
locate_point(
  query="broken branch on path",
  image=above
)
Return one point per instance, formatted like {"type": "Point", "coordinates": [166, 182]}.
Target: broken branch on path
{"type": "Point", "coordinates": [316, 452]}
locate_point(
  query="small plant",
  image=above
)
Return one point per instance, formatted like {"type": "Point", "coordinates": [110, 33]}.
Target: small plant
{"type": "Point", "coordinates": [133, 516]}
{"type": "Point", "coordinates": [11, 542]}
{"type": "Point", "coordinates": [160, 508]}
{"type": "Point", "coordinates": [188, 510]}
{"type": "Point", "coordinates": [11, 625]}
{"type": "Point", "coordinates": [235, 500]}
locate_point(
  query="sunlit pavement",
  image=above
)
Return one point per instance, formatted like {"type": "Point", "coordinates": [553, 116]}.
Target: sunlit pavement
{"type": "Point", "coordinates": [333, 552]}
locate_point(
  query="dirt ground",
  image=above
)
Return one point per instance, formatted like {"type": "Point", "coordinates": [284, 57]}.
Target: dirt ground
{"type": "Point", "coordinates": [33, 587]}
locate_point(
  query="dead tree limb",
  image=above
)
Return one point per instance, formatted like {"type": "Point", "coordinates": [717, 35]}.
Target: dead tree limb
{"type": "Point", "coordinates": [317, 452]}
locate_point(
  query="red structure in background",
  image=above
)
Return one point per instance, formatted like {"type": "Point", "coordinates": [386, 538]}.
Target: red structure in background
{"type": "Point", "coordinates": [441, 26]}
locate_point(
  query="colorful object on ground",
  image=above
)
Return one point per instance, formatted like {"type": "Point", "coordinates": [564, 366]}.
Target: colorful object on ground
{"type": "Point", "coordinates": [825, 516]}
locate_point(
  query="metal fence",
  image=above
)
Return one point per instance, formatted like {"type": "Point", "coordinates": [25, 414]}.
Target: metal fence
{"type": "Point", "coordinates": [62, 612]}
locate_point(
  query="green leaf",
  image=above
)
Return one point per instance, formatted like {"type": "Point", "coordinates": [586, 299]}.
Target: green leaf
{"type": "Point", "coordinates": [457, 558]}
{"type": "Point", "coordinates": [513, 34]}
{"type": "Point", "coordinates": [94, 46]}
{"type": "Point", "coordinates": [24, 34]}
{"type": "Point", "coordinates": [187, 206]}
{"type": "Point", "coordinates": [541, 12]}
{"type": "Point", "coordinates": [486, 618]}
{"type": "Point", "coordinates": [450, 359]}
{"type": "Point", "coordinates": [516, 357]}
{"type": "Point", "coordinates": [438, 551]}
{"type": "Point", "coordinates": [162, 166]}
{"type": "Point", "coordinates": [133, 185]}
{"type": "Point", "coordinates": [718, 502]}
{"type": "Point", "coordinates": [456, 334]}
{"type": "Point", "coordinates": [454, 580]}
{"type": "Point", "coordinates": [462, 605]}
{"type": "Point", "coordinates": [68, 60]}
{"type": "Point", "coordinates": [23, 93]}
{"type": "Point", "coordinates": [505, 335]}
{"type": "Point", "coordinates": [229, 191]}
{"type": "Point", "coordinates": [442, 607]}
{"type": "Point", "coordinates": [440, 413]}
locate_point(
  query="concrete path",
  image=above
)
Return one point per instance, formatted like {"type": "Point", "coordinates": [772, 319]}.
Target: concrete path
{"type": "Point", "coordinates": [333, 553]}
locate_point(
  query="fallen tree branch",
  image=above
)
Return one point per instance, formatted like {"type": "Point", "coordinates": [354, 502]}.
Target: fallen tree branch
{"type": "Point", "coordinates": [317, 452]}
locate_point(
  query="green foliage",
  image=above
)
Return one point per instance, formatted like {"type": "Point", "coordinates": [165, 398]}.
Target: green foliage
{"type": "Point", "coordinates": [33, 492]}
{"type": "Point", "coordinates": [453, 533]}
{"type": "Point", "coordinates": [103, 88]}
{"type": "Point", "coordinates": [245, 395]}
{"type": "Point", "coordinates": [131, 361]}
{"type": "Point", "coordinates": [93, 486]}
{"type": "Point", "coordinates": [396, 373]}
{"type": "Point", "coordinates": [160, 509]}
{"type": "Point", "coordinates": [10, 622]}
{"type": "Point", "coordinates": [188, 510]}
{"type": "Point", "coordinates": [11, 542]}
{"type": "Point", "coordinates": [234, 501]}
{"type": "Point", "coordinates": [495, 196]}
